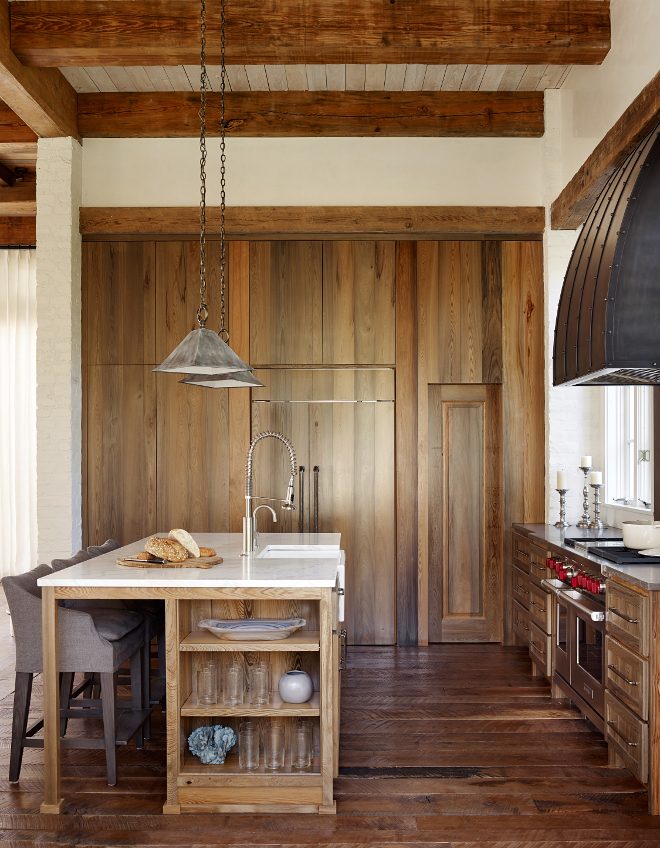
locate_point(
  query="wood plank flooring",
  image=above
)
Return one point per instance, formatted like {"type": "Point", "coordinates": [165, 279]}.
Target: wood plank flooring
{"type": "Point", "coordinates": [451, 746]}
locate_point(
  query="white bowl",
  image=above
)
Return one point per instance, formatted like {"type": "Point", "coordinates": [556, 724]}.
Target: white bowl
{"type": "Point", "coordinates": [252, 629]}
{"type": "Point", "coordinates": [639, 535]}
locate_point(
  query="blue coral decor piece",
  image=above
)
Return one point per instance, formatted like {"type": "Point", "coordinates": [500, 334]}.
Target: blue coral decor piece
{"type": "Point", "coordinates": [211, 744]}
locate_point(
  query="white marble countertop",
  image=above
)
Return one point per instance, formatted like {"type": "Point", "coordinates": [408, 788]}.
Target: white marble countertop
{"type": "Point", "coordinates": [235, 570]}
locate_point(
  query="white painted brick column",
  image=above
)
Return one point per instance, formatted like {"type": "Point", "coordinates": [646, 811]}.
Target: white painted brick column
{"type": "Point", "coordinates": [59, 384]}
{"type": "Point", "coordinates": [574, 427]}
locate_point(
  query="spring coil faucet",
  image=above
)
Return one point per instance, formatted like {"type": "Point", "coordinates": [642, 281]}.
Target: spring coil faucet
{"type": "Point", "coordinates": [250, 535]}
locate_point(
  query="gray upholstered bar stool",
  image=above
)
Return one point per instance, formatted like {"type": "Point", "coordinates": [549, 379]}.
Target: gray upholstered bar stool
{"type": "Point", "coordinates": [96, 638]}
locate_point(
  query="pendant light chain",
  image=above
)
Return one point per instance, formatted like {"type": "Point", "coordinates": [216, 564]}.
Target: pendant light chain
{"type": "Point", "coordinates": [223, 332]}
{"type": "Point", "coordinates": [202, 312]}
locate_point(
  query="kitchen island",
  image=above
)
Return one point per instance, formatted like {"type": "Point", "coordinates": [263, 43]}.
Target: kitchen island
{"type": "Point", "coordinates": [290, 575]}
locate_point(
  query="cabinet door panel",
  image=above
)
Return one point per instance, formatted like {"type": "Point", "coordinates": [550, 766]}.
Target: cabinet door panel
{"type": "Point", "coordinates": [358, 303]}
{"type": "Point", "coordinates": [465, 526]}
{"type": "Point", "coordinates": [121, 453]}
{"type": "Point", "coordinates": [286, 303]}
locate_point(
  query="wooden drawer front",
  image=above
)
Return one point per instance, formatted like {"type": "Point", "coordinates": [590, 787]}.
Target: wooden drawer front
{"type": "Point", "coordinates": [521, 552]}
{"type": "Point", "coordinates": [628, 677]}
{"type": "Point", "coordinates": [521, 587]}
{"type": "Point", "coordinates": [628, 616]}
{"type": "Point", "coordinates": [540, 648]}
{"type": "Point", "coordinates": [629, 736]}
{"type": "Point", "coordinates": [537, 558]}
{"type": "Point", "coordinates": [540, 608]}
{"type": "Point", "coordinates": [521, 622]}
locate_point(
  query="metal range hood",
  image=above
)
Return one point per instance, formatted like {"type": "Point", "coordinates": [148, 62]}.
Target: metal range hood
{"type": "Point", "coordinates": [608, 321]}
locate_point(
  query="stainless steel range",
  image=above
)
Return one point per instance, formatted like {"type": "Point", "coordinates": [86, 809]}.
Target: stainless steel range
{"type": "Point", "coordinates": [579, 636]}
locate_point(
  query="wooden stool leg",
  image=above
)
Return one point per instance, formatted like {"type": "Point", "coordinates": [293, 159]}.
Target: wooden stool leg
{"type": "Point", "coordinates": [22, 695]}
{"type": "Point", "coordinates": [66, 687]}
{"type": "Point", "coordinates": [109, 703]}
{"type": "Point", "coordinates": [137, 697]}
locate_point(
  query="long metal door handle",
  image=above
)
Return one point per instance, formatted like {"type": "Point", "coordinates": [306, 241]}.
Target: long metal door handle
{"type": "Point", "coordinates": [623, 677]}
{"type": "Point", "coordinates": [301, 492]}
{"type": "Point", "coordinates": [540, 609]}
{"type": "Point", "coordinates": [344, 650]}
{"type": "Point", "coordinates": [521, 624]}
{"type": "Point", "coordinates": [522, 553]}
{"type": "Point", "coordinates": [316, 498]}
{"type": "Point", "coordinates": [534, 645]}
{"type": "Point", "coordinates": [620, 735]}
{"type": "Point", "coordinates": [520, 586]}
{"type": "Point", "coordinates": [623, 616]}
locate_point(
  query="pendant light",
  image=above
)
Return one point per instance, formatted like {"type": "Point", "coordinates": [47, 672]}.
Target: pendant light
{"type": "Point", "coordinates": [203, 355]}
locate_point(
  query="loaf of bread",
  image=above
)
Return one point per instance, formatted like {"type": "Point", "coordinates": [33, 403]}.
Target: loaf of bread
{"type": "Point", "coordinates": [184, 538]}
{"type": "Point", "coordinates": [147, 556]}
{"type": "Point", "coordinates": [206, 552]}
{"type": "Point", "coordinates": [168, 549]}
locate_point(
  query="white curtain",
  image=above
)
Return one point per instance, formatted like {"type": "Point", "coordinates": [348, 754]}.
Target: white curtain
{"type": "Point", "coordinates": [18, 411]}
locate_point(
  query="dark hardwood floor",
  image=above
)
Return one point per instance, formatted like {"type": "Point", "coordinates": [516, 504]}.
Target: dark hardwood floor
{"type": "Point", "coordinates": [452, 745]}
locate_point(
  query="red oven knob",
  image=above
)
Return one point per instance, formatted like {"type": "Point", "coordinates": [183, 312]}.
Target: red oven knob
{"type": "Point", "coordinates": [549, 563]}
{"type": "Point", "coordinates": [574, 582]}
{"type": "Point", "coordinates": [581, 579]}
{"type": "Point", "coordinates": [562, 574]}
{"type": "Point", "coordinates": [593, 585]}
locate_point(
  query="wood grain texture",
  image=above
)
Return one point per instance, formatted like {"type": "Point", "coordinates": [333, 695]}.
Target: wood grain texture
{"type": "Point", "coordinates": [121, 453]}
{"type": "Point", "coordinates": [465, 496]}
{"type": "Point", "coordinates": [120, 285]}
{"type": "Point", "coordinates": [491, 334]}
{"type": "Point", "coordinates": [12, 128]}
{"type": "Point", "coordinates": [174, 114]}
{"type": "Point", "coordinates": [358, 303]}
{"type": "Point", "coordinates": [654, 711]}
{"type": "Point", "coordinates": [353, 445]}
{"type": "Point", "coordinates": [286, 323]}
{"type": "Point", "coordinates": [157, 32]}
{"type": "Point", "coordinates": [347, 222]}
{"type": "Point", "coordinates": [523, 396]}
{"type": "Point", "coordinates": [43, 99]}
{"type": "Point", "coordinates": [406, 443]}
{"type": "Point", "coordinates": [53, 801]}
{"type": "Point", "coordinates": [573, 205]}
{"type": "Point", "coordinates": [18, 230]}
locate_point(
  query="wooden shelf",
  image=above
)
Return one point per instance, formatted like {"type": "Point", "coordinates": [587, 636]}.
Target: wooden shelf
{"type": "Point", "coordinates": [193, 768]}
{"type": "Point", "coordinates": [204, 640]}
{"type": "Point", "coordinates": [277, 707]}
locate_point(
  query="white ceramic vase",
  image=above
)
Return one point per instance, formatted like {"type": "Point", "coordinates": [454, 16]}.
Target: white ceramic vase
{"type": "Point", "coordinates": [295, 687]}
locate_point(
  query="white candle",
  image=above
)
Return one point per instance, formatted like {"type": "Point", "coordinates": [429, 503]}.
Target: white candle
{"type": "Point", "coordinates": [596, 477]}
{"type": "Point", "coordinates": [585, 462]}
{"type": "Point", "coordinates": [562, 480]}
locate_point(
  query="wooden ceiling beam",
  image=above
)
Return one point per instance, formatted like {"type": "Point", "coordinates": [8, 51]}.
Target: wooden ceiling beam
{"type": "Point", "coordinates": [575, 202]}
{"type": "Point", "coordinates": [18, 230]}
{"type": "Point", "coordinates": [407, 222]}
{"type": "Point", "coordinates": [166, 32]}
{"type": "Point", "coordinates": [175, 114]}
{"type": "Point", "coordinates": [41, 97]}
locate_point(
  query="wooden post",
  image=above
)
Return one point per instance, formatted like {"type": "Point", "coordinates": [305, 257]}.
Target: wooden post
{"type": "Point", "coordinates": [53, 801]}
{"type": "Point", "coordinates": [172, 806]}
{"type": "Point", "coordinates": [654, 709]}
{"type": "Point", "coordinates": [327, 738]}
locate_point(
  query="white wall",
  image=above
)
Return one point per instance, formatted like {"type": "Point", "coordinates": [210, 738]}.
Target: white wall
{"type": "Point", "coordinates": [595, 96]}
{"type": "Point", "coordinates": [316, 172]}
{"type": "Point", "coordinates": [59, 384]}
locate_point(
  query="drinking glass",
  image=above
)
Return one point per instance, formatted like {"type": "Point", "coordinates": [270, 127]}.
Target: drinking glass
{"type": "Point", "coordinates": [207, 684]}
{"type": "Point", "coordinates": [248, 745]}
{"type": "Point", "coordinates": [232, 684]}
{"type": "Point", "coordinates": [259, 676]}
{"type": "Point", "coordinates": [274, 746]}
{"type": "Point", "coordinates": [301, 745]}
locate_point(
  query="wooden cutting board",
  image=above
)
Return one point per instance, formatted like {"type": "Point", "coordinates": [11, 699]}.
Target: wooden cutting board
{"type": "Point", "coordinates": [199, 562]}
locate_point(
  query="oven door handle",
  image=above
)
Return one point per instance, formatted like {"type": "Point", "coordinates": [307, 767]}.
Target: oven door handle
{"type": "Point", "coordinates": [594, 614]}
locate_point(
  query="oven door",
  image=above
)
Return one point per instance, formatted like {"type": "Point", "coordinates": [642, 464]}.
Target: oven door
{"type": "Point", "coordinates": [588, 659]}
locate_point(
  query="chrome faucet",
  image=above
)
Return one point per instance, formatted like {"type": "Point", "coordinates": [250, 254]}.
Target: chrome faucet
{"type": "Point", "coordinates": [250, 536]}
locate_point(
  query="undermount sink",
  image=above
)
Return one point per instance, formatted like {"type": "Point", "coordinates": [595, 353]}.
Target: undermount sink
{"type": "Point", "coordinates": [299, 552]}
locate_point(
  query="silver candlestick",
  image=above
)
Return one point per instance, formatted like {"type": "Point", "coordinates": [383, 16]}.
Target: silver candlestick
{"type": "Point", "coordinates": [562, 509]}
{"type": "Point", "coordinates": [596, 524]}
{"type": "Point", "coordinates": [584, 521]}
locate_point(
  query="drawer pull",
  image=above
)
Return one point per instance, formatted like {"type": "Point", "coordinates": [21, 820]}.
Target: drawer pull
{"type": "Point", "coordinates": [521, 624]}
{"type": "Point", "coordinates": [620, 735]}
{"type": "Point", "coordinates": [623, 616]}
{"type": "Point", "coordinates": [623, 677]}
{"type": "Point", "coordinates": [522, 553]}
{"type": "Point", "coordinates": [522, 588]}
{"type": "Point", "coordinates": [534, 645]}
{"type": "Point", "coordinates": [540, 609]}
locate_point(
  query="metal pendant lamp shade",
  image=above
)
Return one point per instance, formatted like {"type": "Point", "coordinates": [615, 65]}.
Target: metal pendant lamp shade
{"type": "Point", "coordinates": [205, 355]}
{"type": "Point", "coordinates": [203, 352]}
{"type": "Point", "coordinates": [234, 380]}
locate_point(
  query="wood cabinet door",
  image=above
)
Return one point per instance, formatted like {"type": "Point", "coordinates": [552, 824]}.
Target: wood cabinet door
{"type": "Point", "coordinates": [343, 422]}
{"type": "Point", "coordinates": [465, 513]}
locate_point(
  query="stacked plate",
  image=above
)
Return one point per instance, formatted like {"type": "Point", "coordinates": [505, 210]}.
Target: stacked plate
{"type": "Point", "coordinates": [252, 629]}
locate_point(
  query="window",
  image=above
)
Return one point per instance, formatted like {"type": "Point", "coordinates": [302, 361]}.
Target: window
{"type": "Point", "coordinates": [629, 440]}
